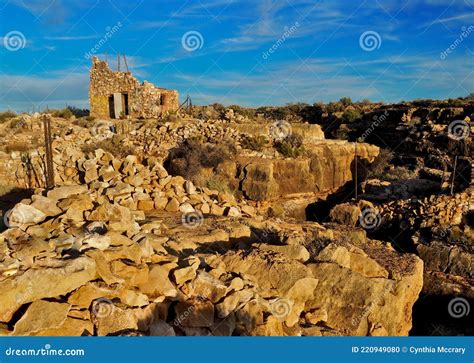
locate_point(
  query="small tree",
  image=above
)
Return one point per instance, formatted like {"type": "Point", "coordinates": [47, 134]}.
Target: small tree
{"type": "Point", "coordinates": [346, 101]}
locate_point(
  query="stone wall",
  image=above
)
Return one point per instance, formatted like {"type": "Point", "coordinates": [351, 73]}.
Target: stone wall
{"type": "Point", "coordinates": [144, 100]}
{"type": "Point", "coordinates": [22, 170]}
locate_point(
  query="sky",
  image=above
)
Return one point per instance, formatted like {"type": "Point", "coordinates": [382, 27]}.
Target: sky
{"type": "Point", "coordinates": [247, 52]}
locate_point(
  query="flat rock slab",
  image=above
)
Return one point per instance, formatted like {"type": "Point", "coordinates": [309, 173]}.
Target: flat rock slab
{"type": "Point", "coordinates": [41, 315]}
{"type": "Point", "coordinates": [38, 284]}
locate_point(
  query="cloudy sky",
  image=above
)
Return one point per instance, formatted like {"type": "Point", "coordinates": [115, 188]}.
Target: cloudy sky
{"type": "Point", "coordinates": [248, 52]}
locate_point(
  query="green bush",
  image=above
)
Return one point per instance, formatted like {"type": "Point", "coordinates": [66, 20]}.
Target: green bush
{"type": "Point", "coordinates": [351, 115]}
{"type": "Point", "coordinates": [64, 113]}
{"type": "Point", "coordinates": [346, 101]}
{"type": "Point", "coordinates": [333, 107]}
{"type": "Point", "coordinates": [291, 146]}
{"type": "Point", "coordinates": [78, 112]}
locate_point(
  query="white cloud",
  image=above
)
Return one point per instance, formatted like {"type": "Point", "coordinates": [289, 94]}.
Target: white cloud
{"type": "Point", "coordinates": [78, 37]}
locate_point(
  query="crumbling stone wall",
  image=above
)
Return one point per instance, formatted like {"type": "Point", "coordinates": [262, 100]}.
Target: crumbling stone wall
{"type": "Point", "coordinates": [144, 100]}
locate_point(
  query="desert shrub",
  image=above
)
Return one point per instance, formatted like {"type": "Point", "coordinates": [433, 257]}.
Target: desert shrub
{"type": "Point", "coordinates": [64, 113]}
{"type": "Point", "coordinates": [380, 164]}
{"type": "Point", "coordinates": [291, 146]}
{"type": "Point", "coordinates": [255, 143]}
{"type": "Point", "coordinates": [78, 112]}
{"type": "Point", "coordinates": [19, 146]}
{"type": "Point", "coordinates": [217, 182]}
{"type": "Point", "coordinates": [346, 101]}
{"type": "Point", "coordinates": [113, 145]}
{"type": "Point", "coordinates": [399, 173]}
{"type": "Point", "coordinates": [456, 102]}
{"type": "Point", "coordinates": [6, 115]}
{"type": "Point", "coordinates": [342, 134]}
{"type": "Point", "coordinates": [247, 112]}
{"type": "Point", "coordinates": [351, 115]}
{"type": "Point", "coordinates": [333, 107]}
{"type": "Point", "coordinates": [190, 157]}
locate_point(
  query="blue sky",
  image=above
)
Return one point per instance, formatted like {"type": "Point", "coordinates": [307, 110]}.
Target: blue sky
{"type": "Point", "coordinates": [318, 49]}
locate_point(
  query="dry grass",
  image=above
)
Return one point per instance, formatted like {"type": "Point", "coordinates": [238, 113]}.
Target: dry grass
{"type": "Point", "coordinates": [190, 157]}
{"type": "Point", "coordinates": [19, 146]}
{"type": "Point", "coordinates": [7, 115]}
{"type": "Point", "coordinates": [255, 143]}
{"type": "Point", "coordinates": [113, 145]}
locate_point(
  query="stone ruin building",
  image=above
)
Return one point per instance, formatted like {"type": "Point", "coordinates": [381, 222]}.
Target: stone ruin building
{"type": "Point", "coordinates": [120, 95]}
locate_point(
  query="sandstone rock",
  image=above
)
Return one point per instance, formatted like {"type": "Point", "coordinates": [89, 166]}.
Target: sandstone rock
{"type": "Point", "coordinates": [268, 270]}
{"type": "Point", "coordinates": [346, 214]}
{"type": "Point", "coordinates": [186, 208]}
{"type": "Point", "coordinates": [146, 205]}
{"type": "Point", "coordinates": [233, 302]}
{"type": "Point", "coordinates": [110, 319]}
{"type": "Point", "coordinates": [353, 258]}
{"type": "Point", "coordinates": [173, 205]}
{"type": "Point", "coordinates": [43, 283]}
{"type": "Point", "coordinates": [294, 252]}
{"type": "Point", "coordinates": [97, 241]}
{"type": "Point", "coordinates": [195, 313]}
{"type": "Point", "coordinates": [208, 287]}
{"type": "Point", "coordinates": [70, 327]}
{"type": "Point", "coordinates": [233, 212]}
{"type": "Point", "coordinates": [23, 214]}
{"type": "Point", "coordinates": [216, 210]}
{"type": "Point", "coordinates": [66, 191]}
{"type": "Point", "coordinates": [160, 203]}
{"type": "Point", "coordinates": [184, 274]}
{"type": "Point", "coordinates": [224, 327]}
{"type": "Point", "coordinates": [46, 205]}
{"type": "Point", "coordinates": [373, 300]}
{"type": "Point", "coordinates": [158, 283]}
{"type": "Point", "coordinates": [41, 315]}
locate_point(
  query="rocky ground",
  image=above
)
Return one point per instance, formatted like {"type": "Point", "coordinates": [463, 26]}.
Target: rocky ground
{"type": "Point", "coordinates": [231, 223]}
